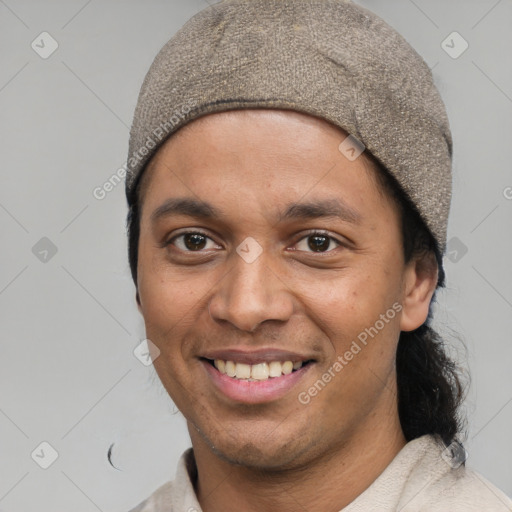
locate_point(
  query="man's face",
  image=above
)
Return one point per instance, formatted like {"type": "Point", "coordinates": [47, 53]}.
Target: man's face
{"type": "Point", "coordinates": [262, 282]}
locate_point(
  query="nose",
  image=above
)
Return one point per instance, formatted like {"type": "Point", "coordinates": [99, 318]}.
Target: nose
{"type": "Point", "coordinates": [250, 294]}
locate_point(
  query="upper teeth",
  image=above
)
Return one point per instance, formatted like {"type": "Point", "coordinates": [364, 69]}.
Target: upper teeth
{"type": "Point", "coordinates": [260, 371]}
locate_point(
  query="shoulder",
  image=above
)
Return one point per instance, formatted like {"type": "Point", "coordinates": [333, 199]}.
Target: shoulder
{"type": "Point", "coordinates": [466, 491]}
{"type": "Point", "coordinates": [426, 476]}
{"type": "Point", "coordinates": [440, 481]}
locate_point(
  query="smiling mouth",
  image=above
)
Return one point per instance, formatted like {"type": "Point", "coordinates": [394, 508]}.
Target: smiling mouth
{"type": "Point", "coordinates": [257, 372]}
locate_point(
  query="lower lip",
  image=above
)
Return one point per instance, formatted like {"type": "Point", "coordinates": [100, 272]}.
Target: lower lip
{"type": "Point", "coordinates": [258, 391]}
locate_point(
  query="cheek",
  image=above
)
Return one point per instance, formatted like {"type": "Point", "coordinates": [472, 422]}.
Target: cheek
{"type": "Point", "coordinates": [167, 306]}
{"type": "Point", "coordinates": [359, 313]}
{"type": "Point", "coordinates": [174, 300]}
{"type": "Point", "coordinates": [160, 286]}
{"type": "Point", "coordinates": [353, 298]}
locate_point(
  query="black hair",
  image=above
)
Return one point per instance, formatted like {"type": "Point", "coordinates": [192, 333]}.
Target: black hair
{"type": "Point", "coordinates": [429, 383]}
{"type": "Point", "coordinates": [430, 390]}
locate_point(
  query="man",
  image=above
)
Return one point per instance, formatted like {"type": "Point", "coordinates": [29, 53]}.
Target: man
{"type": "Point", "coordinates": [289, 186]}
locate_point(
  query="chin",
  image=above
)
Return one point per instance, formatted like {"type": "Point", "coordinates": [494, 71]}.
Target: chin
{"type": "Point", "coordinates": [269, 455]}
{"type": "Point", "coordinates": [256, 457]}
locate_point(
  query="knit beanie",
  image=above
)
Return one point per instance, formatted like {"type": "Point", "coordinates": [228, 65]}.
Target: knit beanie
{"type": "Point", "coordinates": [332, 59]}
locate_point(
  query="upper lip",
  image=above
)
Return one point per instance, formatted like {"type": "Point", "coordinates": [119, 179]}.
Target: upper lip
{"type": "Point", "coordinates": [263, 355]}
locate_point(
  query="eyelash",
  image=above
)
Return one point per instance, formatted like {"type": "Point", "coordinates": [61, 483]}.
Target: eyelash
{"type": "Point", "coordinates": [307, 235]}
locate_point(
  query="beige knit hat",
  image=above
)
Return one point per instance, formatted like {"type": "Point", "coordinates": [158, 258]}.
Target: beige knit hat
{"type": "Point", "coordinates": [329, 58]}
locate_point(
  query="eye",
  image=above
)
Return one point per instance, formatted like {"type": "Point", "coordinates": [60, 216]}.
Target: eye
{"type": "Point", "coordinates": [192, 241]}
{"type": "Point", "coordinates": [196, 241]}
{"type": "Point", "coordinates": [317, 241]}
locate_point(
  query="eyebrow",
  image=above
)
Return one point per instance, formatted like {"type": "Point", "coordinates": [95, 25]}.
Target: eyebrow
{"type": "Point", "coordinates": [322, 208]}
{"type": "Point", "coordinates": [315, 209]}
{"type": "Point", "coordinates": [186, 206]}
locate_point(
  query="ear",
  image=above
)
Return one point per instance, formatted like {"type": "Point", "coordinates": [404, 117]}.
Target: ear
{"type": "Point", "coordinates": [420, 281]}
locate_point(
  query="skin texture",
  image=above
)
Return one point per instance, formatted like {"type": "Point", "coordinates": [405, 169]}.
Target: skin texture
{"type": "Point", "coordinates": [251, 164]}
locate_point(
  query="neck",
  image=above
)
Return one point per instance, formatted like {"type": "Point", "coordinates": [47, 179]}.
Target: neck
{"type": "Point", "coordinates": [327, 483]}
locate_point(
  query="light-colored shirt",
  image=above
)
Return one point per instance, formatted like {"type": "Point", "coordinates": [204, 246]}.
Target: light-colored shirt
{"type": "Point", "coordinates": [423, 477]}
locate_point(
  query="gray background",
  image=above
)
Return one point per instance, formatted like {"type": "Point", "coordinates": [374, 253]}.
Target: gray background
{"type": "Point", "coordinates": [68, 375]}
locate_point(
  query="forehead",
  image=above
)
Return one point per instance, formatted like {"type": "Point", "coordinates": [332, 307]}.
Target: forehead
{"type": "Point", "coordinates": [266, 153]}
